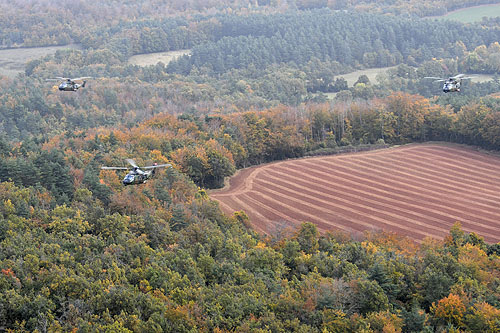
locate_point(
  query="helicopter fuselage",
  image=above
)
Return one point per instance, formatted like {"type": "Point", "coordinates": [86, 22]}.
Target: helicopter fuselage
{"type": "Point", "coordinates": [451, 85]}
{"type": "Point", "coordinates": [70, 86]}
{"type": "Point", "coordinates": [134, 177]}
{"type": "Point", "coordinates": [137, 175]}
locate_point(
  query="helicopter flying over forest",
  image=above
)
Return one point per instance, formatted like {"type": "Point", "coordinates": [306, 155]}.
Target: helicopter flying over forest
{"type": "Point", "coordinates": [136, 174]}
{"type": "Point", "coordinates": [452, 83]}
{"type": "Point", "coordinates": [69, 84]}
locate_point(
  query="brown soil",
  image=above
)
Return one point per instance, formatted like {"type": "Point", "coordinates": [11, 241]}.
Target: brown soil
{"type": "Point", "coordinates": [416, 190]}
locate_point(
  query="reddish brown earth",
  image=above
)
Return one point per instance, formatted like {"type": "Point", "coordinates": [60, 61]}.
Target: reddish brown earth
{"type": "Point", "coordinates": [416, 190]}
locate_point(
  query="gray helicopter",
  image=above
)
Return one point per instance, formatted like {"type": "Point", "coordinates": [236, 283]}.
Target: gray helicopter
{"type": "Point", "coordinates": [136, 175]}
{"type": "Point", "coordinates": [451, 84]}
{"type": "Point", "coordinates": [69, 84]}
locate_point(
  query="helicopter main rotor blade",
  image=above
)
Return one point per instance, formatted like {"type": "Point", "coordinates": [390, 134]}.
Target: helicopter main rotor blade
{"type": "Point", "coordinates": [433, 77]}
{"type": "Point", "coordinates": [81, 78]}
{"type": "Point", "coordinates": [158, 166]}
{"type": "Point", "coordinates": [441, 80]}
{"type": "Point", "coordinates": [131, 162]}
{"type": "Point", "coordinates": [458, 76]}
{"type": "Point", "coordinates": [114, 168]}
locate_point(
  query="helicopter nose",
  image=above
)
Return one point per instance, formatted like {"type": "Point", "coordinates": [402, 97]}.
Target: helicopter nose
{"type": "Point", "coordinates": [61, 88]}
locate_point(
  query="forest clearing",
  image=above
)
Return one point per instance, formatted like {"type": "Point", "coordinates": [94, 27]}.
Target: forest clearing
{"type": "Point", "coordinates": [472, 14]}
{"type": "Point", "coordinates": [371, 73]}
{"type": "Point", "coordinates": [13, 61]}
{"type": "Point", "coordinates": [415, 190]}
{"type": "Point", "coordinates": [149, 59]}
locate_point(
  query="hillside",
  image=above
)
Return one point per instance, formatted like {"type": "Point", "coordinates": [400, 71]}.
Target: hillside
{"type": "Point", "coordinates": [79, 251]}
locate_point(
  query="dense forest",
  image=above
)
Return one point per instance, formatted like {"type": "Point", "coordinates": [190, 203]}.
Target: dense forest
{"type": "Point", "coordinates": [263, 82]}
{"type": "Point", "coordinates": [166, 259]}
{"type": "Point", "coordinates": [81, 251]}
{"type": "Point", "coordinates": [380, 41]}
{"type": "Point", "coordinates": [50, 22]}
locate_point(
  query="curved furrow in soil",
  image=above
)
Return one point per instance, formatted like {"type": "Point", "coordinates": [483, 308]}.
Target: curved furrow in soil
{"type": "Point", "coordinates": [426, 166]}
{"type": "Point", "coordinates": [303, 214]}
{"type": "Point", "coordinates": [391, 218]}
{"type": "Point", "coordinates": [458, 185]}
{"type": "Point", "coordinates": [488, 199]}
{"type": "Point", "coordinates": [235, 203]}
{"type": "Point", "coordinates": [403, 186]}
{"type": "Point", "coordinates": [256, 212]}
{"type": "Point", "coordinates": [413, 203]}
{"type": "Point", "coordinates": [468, 156]}
{"type": "Point", "coordinates": [431, 171]}
{"type": "Point", "coordinates": [226, 206]}
{"type": "Point", "coordinates": [351, 215]}
{"type": "Point", "coordinates": [364, 201]}
{"type": "Point", "coordinates": [242, 182]}
{"type": "Point", "coordinates": [396, 173]}
{"type": "Point", "coordinates": [456, 167]}
{"type": "Point", "coordinates": [429, 202]}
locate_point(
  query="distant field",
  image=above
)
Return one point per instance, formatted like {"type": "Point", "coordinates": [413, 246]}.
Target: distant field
{"type": "Point", "coordinates": [352, 77]}
{"type": "Point", "coordinates": [13, 61]}
{"type": "Point", "coordinates": [373, 72]}
{"type": "Point", "coordinates": [473, 14]}
{"type": "Point", "coordinates": [154, 58]}
{"type": "Point", "coordinates": [370, 72]}
{"type": "Point", "coordinates": [416, 190]}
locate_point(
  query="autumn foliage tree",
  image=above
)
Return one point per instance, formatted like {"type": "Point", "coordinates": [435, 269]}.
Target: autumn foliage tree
{"type": "Point", "coordinates": [449, 310]}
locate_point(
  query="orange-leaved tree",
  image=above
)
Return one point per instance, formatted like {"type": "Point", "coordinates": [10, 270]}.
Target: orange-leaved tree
{"type": "Point", "coordinates": [449, 310]}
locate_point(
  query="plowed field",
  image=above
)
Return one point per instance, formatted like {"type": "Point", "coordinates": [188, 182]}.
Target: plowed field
{"type": "Point", "coordinates": [416, 190]}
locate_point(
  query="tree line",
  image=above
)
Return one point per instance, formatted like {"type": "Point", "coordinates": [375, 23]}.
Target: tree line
{"type": "Point", "coordinates": [211, 147]}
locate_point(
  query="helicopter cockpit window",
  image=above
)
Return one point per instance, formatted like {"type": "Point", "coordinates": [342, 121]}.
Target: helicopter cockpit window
{"type": "Point", "coordinates": [129, 178]}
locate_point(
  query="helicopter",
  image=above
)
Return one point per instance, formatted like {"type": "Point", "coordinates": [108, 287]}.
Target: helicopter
{"type": "Point", "coordinates": [69, 84]}
{"type": "Point", "coordinates": [136, 174]}
{"type": "Point", "coordinates": [452, 83]}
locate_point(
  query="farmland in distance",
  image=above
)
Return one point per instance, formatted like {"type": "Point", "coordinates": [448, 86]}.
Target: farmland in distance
{"type": "Point", "coordinates": [417, 191]}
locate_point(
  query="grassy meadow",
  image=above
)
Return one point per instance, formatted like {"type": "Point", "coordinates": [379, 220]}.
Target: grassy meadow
{"type": "Point", "coordinates": [473, 14]}
{"type": "Point", "coordinates": [13, 61]}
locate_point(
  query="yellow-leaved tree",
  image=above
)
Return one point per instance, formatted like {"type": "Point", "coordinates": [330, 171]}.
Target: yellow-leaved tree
{"type": "Point", "coordinates": [449, 310]}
